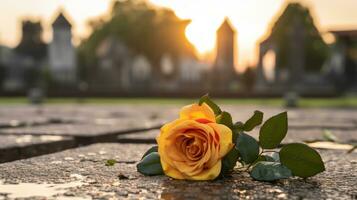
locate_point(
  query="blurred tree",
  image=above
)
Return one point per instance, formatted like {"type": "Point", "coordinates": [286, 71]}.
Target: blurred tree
{"type": "Point", "coordinates": [316, 50]}
{"type": "Point", "coordinates": [145, 29]}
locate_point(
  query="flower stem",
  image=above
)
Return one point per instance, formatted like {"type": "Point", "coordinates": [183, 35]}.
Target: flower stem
{"type": "Point", "coordinates": [263, 151]}
{"type": "Point", "coordinates": [250, 165]}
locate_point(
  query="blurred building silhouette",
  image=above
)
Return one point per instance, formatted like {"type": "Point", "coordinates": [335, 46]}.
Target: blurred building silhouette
{"type": "Point", "coordinates": [113, 70]}
{"type": "Point", "coordinates": [120, 69]}
{"type": "Point", "coordinates": [142, 50]}
{"type": "Point", "coordinates": [62, 55]}
{"type": "Point", "coordinates": [223, 74]}
{"type": "Point", "coordinates": [34, 64]}
{"type": "Point", "coordinates": [298, 55]}
{"type": "Point", "coordinates": [31, 43]}
{"type": "Point", "coordinates": [23, 65]}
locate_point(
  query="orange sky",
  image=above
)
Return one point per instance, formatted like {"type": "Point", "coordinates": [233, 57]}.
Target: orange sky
{"type": "Point", "coordinates": [250, 18]}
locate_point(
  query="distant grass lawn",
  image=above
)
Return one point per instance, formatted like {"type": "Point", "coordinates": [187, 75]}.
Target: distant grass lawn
{"type": "Point", "coordinates": [347, 102]}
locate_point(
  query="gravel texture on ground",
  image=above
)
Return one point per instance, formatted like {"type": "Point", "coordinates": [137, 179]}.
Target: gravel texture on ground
{"type": "Point", "coordinates": [121, 181]}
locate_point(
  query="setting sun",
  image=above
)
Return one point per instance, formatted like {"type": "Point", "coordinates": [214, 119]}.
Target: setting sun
{"type": "Point", "coordinates": [202, 40]}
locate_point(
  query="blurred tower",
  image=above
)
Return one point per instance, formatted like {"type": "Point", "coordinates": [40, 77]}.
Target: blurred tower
{"type": "Point", "coordinates": [31, 44]}
{"type": "Point", "coordinates": [25, 64]}
{"type": "Point", "coordinates": [223, 73]}
{"type": "Point", "coordinates": [62, 55]}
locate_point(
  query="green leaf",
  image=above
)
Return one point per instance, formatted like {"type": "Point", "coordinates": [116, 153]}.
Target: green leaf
{"type": "Point", "coordinates": [210, 103]}
{"type": "Point", "coordinates": [150, 165]}
{"type": "Point", "coordinates": [110, 162]}
{"type": "Point", "coordinates": [248, 148]}
{"type": "Point", "coordinates": [152, 149]}
{"type": "Point", "coordinates": [273, 131]}
{"type": "Point", "coordinates": [225, 118]}
{"type": "Point", "coordinates": [229, 161]}
{"type": "Point", "coordinates": [301, 159]}
{"type": "Point", "coordinates": [269, 171]}
{"type": "Point", "coordinates": [254, 121]}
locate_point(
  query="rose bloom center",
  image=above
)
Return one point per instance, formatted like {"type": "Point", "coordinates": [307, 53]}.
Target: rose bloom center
{"type": "Point", "coordinates": [192, 143]}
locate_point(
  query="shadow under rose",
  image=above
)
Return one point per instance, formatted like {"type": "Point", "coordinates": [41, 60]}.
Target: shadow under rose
{"type": "Point", "coordinates": [175, 189]}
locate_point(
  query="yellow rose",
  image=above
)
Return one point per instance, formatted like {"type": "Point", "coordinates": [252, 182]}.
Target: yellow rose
{"type": "Point", "coordinates": [193, 146]}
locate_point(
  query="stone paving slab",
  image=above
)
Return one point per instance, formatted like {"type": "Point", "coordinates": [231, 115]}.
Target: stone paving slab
{"type": "Point", "coordinates": [333, 118]}
{"type": "Point", "coordinates": [20, 116]}
{"type": "Point", "coordinates": [13, 122]}
{"type": "Point", "coordinates": [146, 137]}
{"type": "Point", "coordinates": [86, 176]}
{"type": "Point", "coordinates": [311, 135]}
{"type": "Point", "coordinates": [330, 118]}
{"type": "Point", "coordinates": [85, 130]}
{"type": "Point", "coordinates": [342, 136]}
{"type": "Point", "coordinates": [8, 141]}
{"type": "Point", "coordinates": [84, 113]}
{"type": "Point", "coordinates": [18, 147]}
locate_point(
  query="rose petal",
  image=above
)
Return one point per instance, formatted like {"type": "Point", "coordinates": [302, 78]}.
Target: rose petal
{"type": "Point", "coordinates": [214, 156]}
{"type": "Point", "coordinates": [225, 134]}
{"type": "Point", "coordinates": [196, 111]}
{"type": "Point", "coordinates": [187, 168]}
{"type": "Point", "coordinates": [208, 174]}
{"type": "Point", "coordinates": [164, 143]}
{"type": "Point", "coordinates": [170, 171]}
{"type": "Point", "coordinates": [168, 126]}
